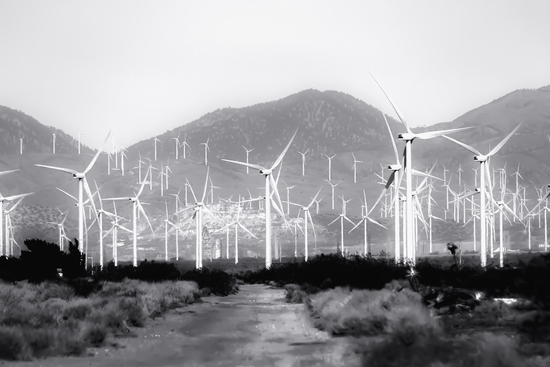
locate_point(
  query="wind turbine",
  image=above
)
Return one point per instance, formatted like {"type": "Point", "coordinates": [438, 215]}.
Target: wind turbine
{"type": "Point", "coordinates": [408, 137]}
{"type": "Point", "coordinates": [355, 161]}
{"type": "Point", "coordinates": [82, 186]}
{"type": "Point", "coordinates": [484, 171]}
{"type": "Point", "coordinates": [184, 144]}
{"type": "Point", "coordinates": [114, 230]}
{"type": "Point", "coordinates": [53, 143]}
{"type": "Point", "coordinates": [236, 224]}
{"type": "Point", "coordinates": [269, 183]}
{"type": "Point", "coordinates": [155, 143]}
{"type": "Point", "coordinates": [21, 146]}
{"type": "Point", "coordinates": [122, 156]}
{"type": "Point", "coordinates": [79, 142]}
{"type": "Point", "coordinates": [6, 213]}
{"type": "Point", "coordinates": [136, 205]}
{"type": "Point", "coordinates": [206, 149]}
{"type": "Point", "coordinates": [307, 217]}
{"type": "Point", "coordinates": [288, 188]}
{"type": "Point", "coordinates": [166, 223]}
{"type": "Point", "coordinates": [342, 216]}
{"type": "Point", "coordinates": [364, 218]}
{"type": "Point", "coordinates": [332, 186]}
{"type": "Point", "coordinates": [198, 208]}
{"type": "Point", "coordinates": [247, 152]}
{"type": "Point", "coordinates": [61, 229]}
{"type": "Point", "coordinates": [178, 144]}
{"type": "Point", "coordinates": [304, 162]}
{"type": "Point", "coordinates": [329, 166]}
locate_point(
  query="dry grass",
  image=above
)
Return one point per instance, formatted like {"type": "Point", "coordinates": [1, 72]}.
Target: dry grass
{"type": "Point", "coordinates": [48, 319]}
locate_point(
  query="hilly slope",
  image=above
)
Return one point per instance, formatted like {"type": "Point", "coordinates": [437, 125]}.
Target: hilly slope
{"type": "Point", "coordinates": [329, 122]}
{"type": "Point", "coordinates": [37, 138]}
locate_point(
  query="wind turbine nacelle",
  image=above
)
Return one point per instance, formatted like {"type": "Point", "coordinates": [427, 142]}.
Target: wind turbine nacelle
{"type": "Point", "coordinates": [480, 158]}
{"type": "Point", "coordinates": [265, 171]}
{"type": "Point", "coordinates": [405, 136]}
{"type": "Point", "coordinates": [78, 175]}
{"type": "Point", "coordinates": [395, 167]}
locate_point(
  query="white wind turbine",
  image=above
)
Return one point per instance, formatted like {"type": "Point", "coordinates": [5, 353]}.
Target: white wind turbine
{"type": "Point", "coordinates": [114, 230]}
{"type": "Point", "coordinates": [100, 214]}
{"type": "Point", "coordinates": [155, 143]}
{"type": "Point", "coordinates": [10, 240]}
{"type": "Point", "coordinates": [198, 208]}
{"type": "Point", "coordinates": [166, 224]}
{"type": "Point", "coordinates": [206, 150]}
{"type": "Point", "coordinates": [304, 161]}
{"type": "Point", "coordinates": [332, 186]}
{"type": "Point", "coordinates": [53, 143]}
{"type": "Point", "coordinates": [408, 137]}
{"type": "Point", "coordinates": [184, 145]}
{"type": "Point", "coordinates": [21, 146]}
{"type": "Point", "coordinates": [6, 214]}
{"type": "Point", "coordinates": [288, 188]}
{"type": "Point", "coordinates": [79, 142]}
{"type": "Point", "coordinates": [122, 156]}
{"type": "Point", "coordinates": [307, 217]}
{"type": "Point", "coordinates": [342, 216]}
{"type": "Point", "coordinates": [61, 230]}
{"type": "Point", "coordinates": [269, 183]}
{"type": "Point", "coordinates": [484, 173]}
{"type": "Point", "coordinates": [212, 187]}
{"type": "Point", "coordinates": [329, 166]}
{"type": "Point", "coordinates": [364, 218]}
{"type": "Point", "coordinates": [177, 145]}
{"type": "Point", "coordinates": [247, 152]}
{"type": "Point", "coordinates": [355, 161]}
{"type": "Point", "coordinates": [136, 205]}
{"type": "Point", "coordinates": [82, 186]}
{"type": "Point", "coordinates": [236, 224]}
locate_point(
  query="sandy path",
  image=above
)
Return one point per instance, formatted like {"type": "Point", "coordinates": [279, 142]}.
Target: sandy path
{"type": "Point", "coordinates": [252, 328]}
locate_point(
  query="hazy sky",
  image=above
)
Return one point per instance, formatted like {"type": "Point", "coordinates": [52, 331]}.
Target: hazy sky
{"type": "Point", "coordinates": [145, 67]}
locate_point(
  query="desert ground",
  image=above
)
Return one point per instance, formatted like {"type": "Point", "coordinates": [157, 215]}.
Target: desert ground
{"type": "Point", "coordinates": [254, 327]}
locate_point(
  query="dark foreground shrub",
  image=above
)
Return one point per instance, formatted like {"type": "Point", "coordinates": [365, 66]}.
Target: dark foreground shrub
{"type": "Point", "coordinates": [217, 281]}
{"type": "Point", "coordinates": [295, 293]}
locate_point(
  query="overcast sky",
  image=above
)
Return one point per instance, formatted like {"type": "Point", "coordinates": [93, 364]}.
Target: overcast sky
{"type": "Point", "coordinates": [145, 67]}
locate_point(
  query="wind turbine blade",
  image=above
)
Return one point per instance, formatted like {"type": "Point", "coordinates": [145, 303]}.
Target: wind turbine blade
{"type": "Point", "coordinates": [255, 166]}
{"type": "Point", "coordinates": [69, 195]}
{"type": "Point", "coordinates": [464, 145]}
{"type": "Point", "coordinates": [67, 170]}
{"type": "Point", "coordinates": [313, 201]}
{"type": "Point", "coordinates": [435, 134]}
{"type": "Point", "coordinates": [399, 114]}
{"type": "Point", "coordinates": [349, 220]}
{"type": "Point", "coordinates": [424, 174]}
{"type": "Point", "coordinates": [143, 184]}
{"type": "Point", "coordinates": [357, 225]}
{"type": "Point", "coordinates": [142, 211]}
{"type": "Point", "coordinates": [392, 140]}
{"type": "Point", "coordinates": [97, 155]}
{"type": "Point", "coordinates": [205, 184]}
{"type": "Point", "coordinates": [10, 171]}
{"type": "Point", "coordinates": [501, 144]}
{"type": "Point", "coordinates": [250, 233]}
{"type": "Point", "coordinates": [280, 158]}
{"type": "Point", "coordinates": [333, 221]}
{"type": "Point", "coordinates": [276, 194]}
{"type": "Point", "coordinates": [375, 222]}
{"type": "Point", "coordinates": [192, 192]}
{"type": "Point", "coordinates": [377, 200]}
{"type": "Point", "coordinates": [90, 195]}
{"type": "Point", "coordinates": [125, 229]}
{"type": "Point", "coordinates": [209, 212]}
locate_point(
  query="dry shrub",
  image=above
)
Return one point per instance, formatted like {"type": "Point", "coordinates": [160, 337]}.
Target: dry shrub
{"type": "Point", "coordinates": [345, 312]}
{"type": "Point", "coordinates": [47, 290]}
{"type": "Point", "coordinates": [420, 348]}
{"type": "Point", "coordinates": [12, 344]}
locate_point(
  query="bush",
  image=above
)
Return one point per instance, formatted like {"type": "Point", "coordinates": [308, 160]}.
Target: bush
{"type": "Point", "coordinates": [217, 281]}
{"type": "Point", "coordinates": [358, 312]}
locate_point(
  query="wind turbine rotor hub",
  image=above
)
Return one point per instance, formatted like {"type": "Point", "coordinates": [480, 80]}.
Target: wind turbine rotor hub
{"type": "Point", "coordinates": [480, 158]}
{"type": "Point", "coordinates": [406, 136]}
{"type": "Point", "coordinates": [79, 175]}
{"type": "Point", "coordinates": [265, 171]}
{"type": "Point", "coordinates": [395, 167]}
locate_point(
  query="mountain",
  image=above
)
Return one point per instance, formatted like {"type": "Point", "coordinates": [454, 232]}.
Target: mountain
{"type": "Point", "coordinates": [329, 122]}
{"type": "Point", "coordinates": [37, 138]}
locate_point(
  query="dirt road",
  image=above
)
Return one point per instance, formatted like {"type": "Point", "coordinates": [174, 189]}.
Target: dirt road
{"type": "Point", "coordinates": [252, 328]}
